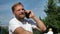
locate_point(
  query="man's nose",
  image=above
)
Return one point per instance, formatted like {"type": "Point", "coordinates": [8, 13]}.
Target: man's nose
{"type": "Point", "coordinates": [22, 10]}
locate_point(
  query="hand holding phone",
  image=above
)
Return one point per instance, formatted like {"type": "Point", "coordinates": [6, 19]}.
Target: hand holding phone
{"type": "Point", "coordinates": [27, 14]}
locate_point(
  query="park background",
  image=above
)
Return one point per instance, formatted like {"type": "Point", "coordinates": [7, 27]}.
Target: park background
{"type": "Point", "coordinates": [46, 10]}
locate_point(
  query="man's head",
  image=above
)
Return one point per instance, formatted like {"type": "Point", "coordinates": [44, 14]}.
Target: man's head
{"type": "Point", "coordinates": [18, 10]}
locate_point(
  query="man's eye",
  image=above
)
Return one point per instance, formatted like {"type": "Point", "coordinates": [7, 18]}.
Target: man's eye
{"type": "Point", "coordinates": [23, 9]}
{"type": "Point", "coordinates": [18, 10]}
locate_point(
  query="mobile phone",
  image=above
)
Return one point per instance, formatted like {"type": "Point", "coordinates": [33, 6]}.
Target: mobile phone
{"type": "Point", "coordinates": [27, 14]}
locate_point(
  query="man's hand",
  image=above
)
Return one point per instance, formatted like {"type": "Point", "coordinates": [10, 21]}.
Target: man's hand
{"type": "Point", "coordinates": [31, 14]}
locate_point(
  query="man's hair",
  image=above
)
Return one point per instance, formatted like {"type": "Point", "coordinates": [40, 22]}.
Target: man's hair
{"type": "Point", "coordinates": [13, 7]}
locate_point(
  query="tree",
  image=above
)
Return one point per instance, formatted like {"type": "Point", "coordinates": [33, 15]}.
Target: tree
{"type": "Point", "coordinates": [53, 16]}
{"type": "Point", "coordinates": [3, 30]}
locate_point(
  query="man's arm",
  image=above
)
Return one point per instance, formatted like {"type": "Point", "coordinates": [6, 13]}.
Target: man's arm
{"type": "Point", "coordinates": [40, 24]}
{"type": "Point", "coordinates": [21, 30]}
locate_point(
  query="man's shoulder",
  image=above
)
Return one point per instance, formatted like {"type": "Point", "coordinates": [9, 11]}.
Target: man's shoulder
{"type": "Point", "coordinates": [12, 20]}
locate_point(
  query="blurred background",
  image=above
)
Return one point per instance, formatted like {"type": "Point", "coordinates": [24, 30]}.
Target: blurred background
{"type": "Point", "coordinates": [46, 10]}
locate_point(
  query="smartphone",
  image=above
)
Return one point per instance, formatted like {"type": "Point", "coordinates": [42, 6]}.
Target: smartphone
{"type": "Point", "coordinates": [27, 14]}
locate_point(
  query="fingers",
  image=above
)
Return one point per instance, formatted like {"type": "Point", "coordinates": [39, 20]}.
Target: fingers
{"type": "Point", "coordinates": [31, 14]}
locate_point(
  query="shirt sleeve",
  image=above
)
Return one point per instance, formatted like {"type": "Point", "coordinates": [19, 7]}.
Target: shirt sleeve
{"type": "Point", "coordinates": [13, 25]}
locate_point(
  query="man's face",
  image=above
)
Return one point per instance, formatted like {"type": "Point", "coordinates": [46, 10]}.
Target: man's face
{"type": "Point", "coordinates": [19, 11]}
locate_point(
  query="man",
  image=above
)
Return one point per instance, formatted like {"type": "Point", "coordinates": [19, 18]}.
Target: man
{"type": "Point", "coordinates": [20, 25]}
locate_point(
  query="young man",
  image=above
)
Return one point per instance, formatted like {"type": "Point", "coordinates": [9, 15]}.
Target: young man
{"type": "Point", "coordinates": [20, 25]}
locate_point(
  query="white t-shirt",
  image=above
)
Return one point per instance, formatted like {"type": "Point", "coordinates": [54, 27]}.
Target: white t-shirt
{"type": "Point", "coordinates": [27, 25]}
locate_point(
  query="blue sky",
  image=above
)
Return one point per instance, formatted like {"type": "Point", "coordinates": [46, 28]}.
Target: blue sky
{"type": "Point", "coordinates": [37, 6]}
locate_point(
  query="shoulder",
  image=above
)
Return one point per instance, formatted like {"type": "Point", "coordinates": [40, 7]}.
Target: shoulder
{"type": "Point", "coordinates": [13, 24]}
{"type": "Point", "coordinates": [12, 20]}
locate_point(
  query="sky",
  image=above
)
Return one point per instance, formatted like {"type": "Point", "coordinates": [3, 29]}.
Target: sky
{"type": "Point", "coordinates": [37, 6]}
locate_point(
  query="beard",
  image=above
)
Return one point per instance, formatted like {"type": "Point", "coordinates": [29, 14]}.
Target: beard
{"type": "Point", "coordinates": [21, 16]}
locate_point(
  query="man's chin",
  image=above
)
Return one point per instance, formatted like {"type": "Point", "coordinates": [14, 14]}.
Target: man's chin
{"type": "Point", "coordinates": [22, 17]}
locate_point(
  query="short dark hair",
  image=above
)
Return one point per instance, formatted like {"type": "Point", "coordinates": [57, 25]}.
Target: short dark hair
{"type": "Point", "coordinates": [13, 7]}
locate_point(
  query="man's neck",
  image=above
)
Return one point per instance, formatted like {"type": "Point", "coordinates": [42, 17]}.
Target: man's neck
{"type": "Point", "coordinates": [21, 19]}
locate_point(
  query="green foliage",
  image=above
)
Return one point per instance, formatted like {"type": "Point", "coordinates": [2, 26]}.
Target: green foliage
{"type": "Point", "coordinates": [3, 30]}
{"type": "Point", "coordinates": [53, 15]}
{"type": "Point", "coordinates": [35, 31]}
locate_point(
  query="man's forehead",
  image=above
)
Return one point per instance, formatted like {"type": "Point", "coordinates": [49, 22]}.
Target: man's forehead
{"type": "Point", "coordinates": [19, 6]}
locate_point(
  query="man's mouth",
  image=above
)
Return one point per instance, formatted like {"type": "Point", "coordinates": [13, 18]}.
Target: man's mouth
{"type": "Point", "coordinates": [22, 14]}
